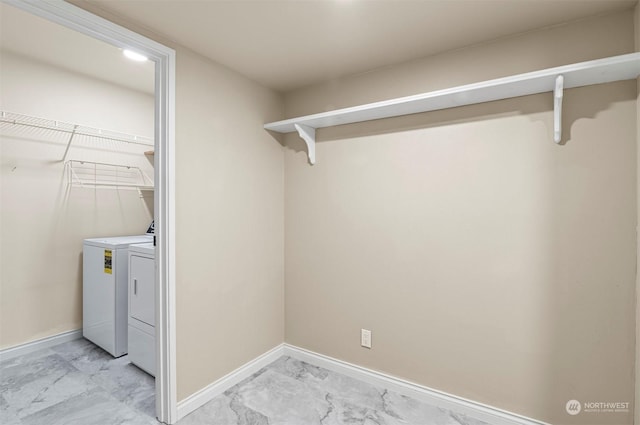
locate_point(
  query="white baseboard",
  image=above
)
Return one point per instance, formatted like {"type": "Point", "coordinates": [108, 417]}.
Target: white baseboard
{"type": "Point", "coordinates": [218, 387]}
{"type": "Point", "coordinates": [483, 412]}
{"type": "Point", "coordinates": [488, 414]}
{"type": "Point", "coordinates": [39, 344]}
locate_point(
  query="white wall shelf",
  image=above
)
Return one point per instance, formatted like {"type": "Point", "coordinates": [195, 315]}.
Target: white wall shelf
{"type": "Point", "coordinates": [616, 68]}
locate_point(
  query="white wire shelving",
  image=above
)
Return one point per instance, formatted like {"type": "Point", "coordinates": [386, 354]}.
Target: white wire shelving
{"type": "Point", "coordinates": [8, 119]}
{"type": "Point", "coordinates": [82, 173]}
{"type": "Point", "coordinates": [87, 174]}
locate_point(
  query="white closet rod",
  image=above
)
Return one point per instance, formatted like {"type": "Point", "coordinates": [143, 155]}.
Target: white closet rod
{"type": "Point", "coordinates": [72, 129]}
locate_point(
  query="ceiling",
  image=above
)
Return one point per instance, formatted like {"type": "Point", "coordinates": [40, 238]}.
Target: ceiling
{"type": "Point", "coordinates": [290, 44]}
{"type": "Point", "coordinates": [36, 38]}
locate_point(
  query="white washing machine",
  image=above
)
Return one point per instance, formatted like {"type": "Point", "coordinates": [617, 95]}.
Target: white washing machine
{"type": "Point", "coordinates": [105, 277]}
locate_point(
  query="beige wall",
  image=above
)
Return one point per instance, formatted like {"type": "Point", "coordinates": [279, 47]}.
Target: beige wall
{"type": "Point", "coordinates": [43, 221]}
{"type": "Point", "coordinates": [230, 219]}
{"type": "Point", "coordinates": [560, 45]}
{"type": "Point", "coordinates": [230, 223]}
{"type": "Point", "coordinates": [488, 262]}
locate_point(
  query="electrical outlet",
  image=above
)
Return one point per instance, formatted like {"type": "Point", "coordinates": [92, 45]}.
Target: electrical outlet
{"type": "Point", "coordinates": [365, 338]}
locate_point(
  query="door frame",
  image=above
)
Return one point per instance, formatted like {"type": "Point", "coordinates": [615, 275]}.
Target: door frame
{"type": "Point", "coordinates": [164, 57]}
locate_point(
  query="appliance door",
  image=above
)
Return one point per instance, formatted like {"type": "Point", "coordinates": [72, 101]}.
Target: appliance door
{"type": "Point", "coordinates": [142, 294]}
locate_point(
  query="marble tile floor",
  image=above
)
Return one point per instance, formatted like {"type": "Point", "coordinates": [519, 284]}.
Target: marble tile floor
{"type": "Point", "coordinates": [78, 383]}
{"type": "Point", "coordinates": [291, 392]}
{"type": "Point", "coordinates": [75, 383]}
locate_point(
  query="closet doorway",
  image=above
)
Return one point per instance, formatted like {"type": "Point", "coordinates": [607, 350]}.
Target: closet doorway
{"type": "Point", "coordinates": [161, 143]}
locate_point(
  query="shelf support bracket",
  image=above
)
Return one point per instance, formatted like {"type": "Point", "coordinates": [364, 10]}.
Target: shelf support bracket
{"type": "Point", "coordinates": [558, 93]}
{"type": "Point", "coordinates": [73, 133]}
{"type": "Point", "coordinates": [308, 134]}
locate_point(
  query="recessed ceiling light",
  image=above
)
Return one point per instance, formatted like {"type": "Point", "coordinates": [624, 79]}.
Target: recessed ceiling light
{"type": "Point", "coordinates": [134, 56]}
